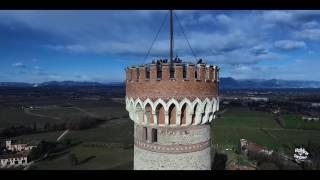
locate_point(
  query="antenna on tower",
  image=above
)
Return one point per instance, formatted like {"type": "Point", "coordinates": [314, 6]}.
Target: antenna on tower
{"type": "Point", "coordinates": [171, 36]}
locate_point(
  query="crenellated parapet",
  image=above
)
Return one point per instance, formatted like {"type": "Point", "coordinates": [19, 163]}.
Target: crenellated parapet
{"type": "Point", "coordinates": [177, 80]}
{"type": "Point", "coordinates": [172, 112]}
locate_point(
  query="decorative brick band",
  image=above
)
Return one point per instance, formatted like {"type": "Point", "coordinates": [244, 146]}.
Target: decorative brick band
{"type": "Point", "coordinates": [172, 112]}
{"type": "Point", "coordinates": [168, 98]}
{"type": "Point", "coordinates": [172, 149]}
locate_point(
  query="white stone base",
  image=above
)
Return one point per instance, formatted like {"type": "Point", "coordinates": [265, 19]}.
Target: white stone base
{"type": "Point", "coordinates": [147, 160]}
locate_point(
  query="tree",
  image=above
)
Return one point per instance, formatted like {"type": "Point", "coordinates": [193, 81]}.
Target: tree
{"type": "Point", "coordinates": [73, 159]}
{"type": "Point", "coordinates": [34, 126]}
{"type": "Point", "coordinates": [314, 150]}
{"type": "Point", "coordinates": [47, 126]}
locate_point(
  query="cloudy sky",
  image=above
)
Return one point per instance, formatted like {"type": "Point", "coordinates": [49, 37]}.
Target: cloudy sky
{"type": "Point", "coordinates": [37, 46]}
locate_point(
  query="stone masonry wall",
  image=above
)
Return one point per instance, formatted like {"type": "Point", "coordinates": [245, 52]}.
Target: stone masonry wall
{"type": "Point", "coordinates": [146, 160]}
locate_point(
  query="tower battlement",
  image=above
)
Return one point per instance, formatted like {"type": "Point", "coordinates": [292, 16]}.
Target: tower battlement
{"type": "Point", "coordinates": [172, 72]}
{"type": "Point", "coordinates": [177, 80]}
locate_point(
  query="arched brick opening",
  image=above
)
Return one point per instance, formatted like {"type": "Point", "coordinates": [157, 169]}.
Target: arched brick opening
{"type": "Point", "coordinates": [184, 114]}
{"type": "Point", "coordinates": [204, 112]}
{"type": "Point", "coordinates": [172, 114]}
{"type": "Point", "coordinates": [139, 113]}
{"type": "Point", "coordinates": [148, 113]}
{"type": "Point", "coordinates": [160, 114]}
{"type": "Point", "coordinates": [194, 113]}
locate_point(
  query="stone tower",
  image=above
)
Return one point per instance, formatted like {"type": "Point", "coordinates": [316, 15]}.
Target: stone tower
{"type": "Point", "coordinates": [172, 105]}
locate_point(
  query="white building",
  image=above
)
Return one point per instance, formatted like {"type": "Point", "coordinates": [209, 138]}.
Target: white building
{"type": "Point", "coordinates": [265, 99]}
{"type": "Point", "coordinates": [18, 147]}
{"type": "Point", "coordinates": [310, 118]}
{"type": "Point", "coordinates": [315, 104]}
{"type": "Point", "coordinates": [13, 160]}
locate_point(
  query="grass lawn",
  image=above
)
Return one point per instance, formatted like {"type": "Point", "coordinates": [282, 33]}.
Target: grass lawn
{"type": "Point", "coordinates": [96, 158]}
{"type": "Point", "coordinates": [295, 121]}
{"type": "Point", "coordinates": [243, 117]}
{"type": "Point", "coordinates": [116, 131]}
{"type": "Point", "coordinates": [260, 128]}
{"type": "Point", "coordinates": [230, 136]}
{"type": "Point", "coordinates": [90, 158]}
{"type": "Point", "coordinates": [49, 136]}
{"type": "Point", "coordinates": [61, 112]}
{"type": "Point", "coordinates": [15, 117]}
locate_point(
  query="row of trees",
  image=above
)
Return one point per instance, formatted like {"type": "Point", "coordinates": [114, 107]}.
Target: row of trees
{"type": "Point", "coordinates": [74, 124]}
{"type": "Point", "coordinates": [44, 148]}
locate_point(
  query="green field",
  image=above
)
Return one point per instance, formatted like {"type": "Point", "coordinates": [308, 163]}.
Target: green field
{"type": "Point", "coordinates": [108, 152]}
{"type": "Point", "coordinates": [295, 121]}
{"type": "Point", "coordinates": [243, 118]}
{"type": "Point", "coordinates": [261, 128]}
{"type": "Point", "coordinates": [119, 131]}
{"type": "Point", "coordinates": [90, 158]}
{"type": "Point", "coordinates": [16, 117]}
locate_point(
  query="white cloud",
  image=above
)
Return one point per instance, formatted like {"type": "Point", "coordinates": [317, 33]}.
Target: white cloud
{"type": "Point", "coordinates": [36, 67]}
{"type": "Point", "coordinates": [310, 34]}
{"type": "Point", "coordinates": [289, 44]}
{"type": "Point", "coordinates": [310, 24]}
{"type": "Point", "coordinates": [278, 16]}
{"type": "Point", "coordinates": [223, 19]}
{"type": "Point", "coordinates": [206, 18]}
{"type": "Point", "coordinates": [260, 49]}
{"type": "Point", "coordinates": [19, 65]}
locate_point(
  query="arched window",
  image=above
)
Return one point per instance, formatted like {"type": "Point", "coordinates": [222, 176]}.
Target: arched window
{"type": "Point", "coordinates": [148, 114]}
{"type": "Point", "coordinates": [194, 114]}
{"type": "Point", "coordinates": [139, 113]}
{"type": "Point", "coordinates": [160, 114]}
{"type": "Point", "coordinates": [172, 114]}
{"type": "Point", "coordinates": [204, 113]}
{"type": "Point", "coordinates": [184, 114]}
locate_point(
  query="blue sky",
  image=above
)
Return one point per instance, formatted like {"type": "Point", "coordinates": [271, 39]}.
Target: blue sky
{"type": "Point", "coordinates": [38, 46]}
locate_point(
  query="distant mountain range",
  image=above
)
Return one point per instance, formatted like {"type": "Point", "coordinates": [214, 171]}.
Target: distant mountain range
{"type": "Point", "coordinates": [225, 83]}
{"type": "Point", "coordinates": [58, 84]}
{"type": "Point", "coordinates": [230, 83]}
